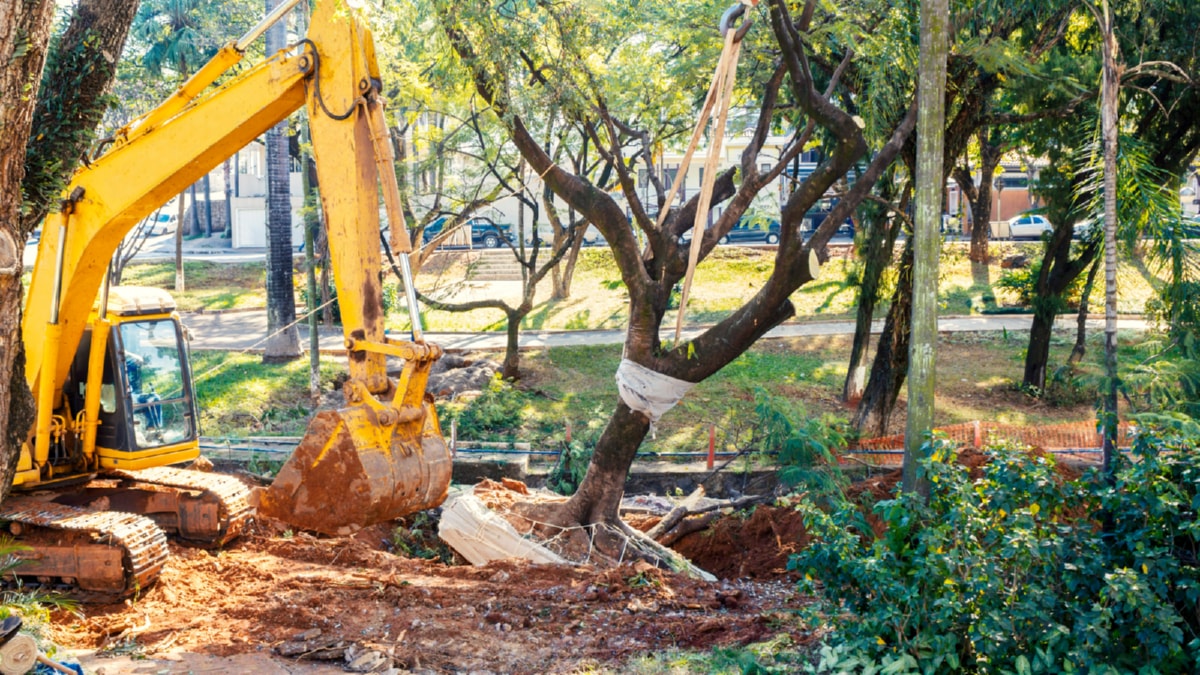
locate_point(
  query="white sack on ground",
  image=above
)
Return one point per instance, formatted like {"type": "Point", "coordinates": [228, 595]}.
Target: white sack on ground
{"type": "Point", "coordinates": [481, 535]}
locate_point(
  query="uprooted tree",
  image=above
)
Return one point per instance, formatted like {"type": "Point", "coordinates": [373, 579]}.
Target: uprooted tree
{"type": "Point", "coordinates": [608, 106]}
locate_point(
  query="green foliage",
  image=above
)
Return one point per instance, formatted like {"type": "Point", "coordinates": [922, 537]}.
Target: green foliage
{"type": "Point", "coordinates": [1017, 570]}
{"type": "Point", "coordinates": [570, 468]}
{"type": "Point", "coordinates": [239, 395]}
{"type": "Point", "coordinates": [417, 537]}
{"type": "Point", "coordinates": [806, 445]}
{"type": "Point", "coordinates": [495, 412]}
{"type": "Point", "coordinates": [1022, 282]}
{"type": "Point", "coordinates": [64, 121]}
{"type": "Point", "coordinates": [777, 655]}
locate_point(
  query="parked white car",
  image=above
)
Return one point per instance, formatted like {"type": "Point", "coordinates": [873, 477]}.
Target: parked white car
{"type": "Point", "coordinates": [1029, 225]}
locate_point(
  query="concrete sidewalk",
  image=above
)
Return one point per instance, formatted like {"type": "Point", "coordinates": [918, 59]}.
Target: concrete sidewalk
{"type": "Point", "coordinates": [247, 330]}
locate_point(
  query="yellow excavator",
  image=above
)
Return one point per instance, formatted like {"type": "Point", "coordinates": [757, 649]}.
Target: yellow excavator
{"type": "Point", "coordinates": [98, 486]}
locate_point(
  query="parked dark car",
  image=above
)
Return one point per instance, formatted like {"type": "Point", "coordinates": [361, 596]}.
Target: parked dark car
{"type": "Point", "coordinates": [817, 214]}
{"type": "Point", "coordinates": [752, 230]}
{"type": "Point", "coordinates": [748, 230]}
{"type": "Point", "coordinates": [485, 233]}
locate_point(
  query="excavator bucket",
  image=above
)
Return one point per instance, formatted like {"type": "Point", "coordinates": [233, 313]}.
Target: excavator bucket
{"type": "Point", "coordinates": [361, 465]}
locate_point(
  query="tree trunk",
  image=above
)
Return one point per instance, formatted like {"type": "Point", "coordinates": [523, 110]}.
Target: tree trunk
{"type": "Point", "coordinates": [1109, 99]}
{"type": "Point", "coordinates": [981, 201]}
{"type": "Point", "coordinates": [312, 224]}
{"type": "Point", "coordinates": [598, 498]}
{"type": "Point", "coordinates": [891, 358]}
{"type": "Point", "coordinates": [26, 24]}
{"type": "Point", "coordinates": [197, 231]}
{"type": "Point", "coordinates": [1080, 348]}
{"type": "Point", "coordinates": [79, 69]}
{"type": "Point", "coordinates": [327, 318]}
{"type": "Point", "coordinates": [931, 183]}
{"type": "Point", "coordinates": [1056, 275]}
{"type": "Point", "coordinates": [207, 207]}
{"type": "Point", "coordinates": [228, 232]}
{"type": "Point", "coordinates": [1037, 354]}
{"type": "Point", "coordinates": [179, 213]}
{"type": "Point", "coordinates": [283, 339]}
{"type": "Point", "coordinates": [512, 346]}
{"type": "Point", "coordinates": [878, 249]}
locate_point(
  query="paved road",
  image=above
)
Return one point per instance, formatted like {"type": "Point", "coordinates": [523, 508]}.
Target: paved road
{"type": "Point", "coordinates": [246, 330]}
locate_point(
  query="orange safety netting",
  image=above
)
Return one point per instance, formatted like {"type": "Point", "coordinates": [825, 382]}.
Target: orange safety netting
{"type": "Point", "coordinates": [1068, 436]}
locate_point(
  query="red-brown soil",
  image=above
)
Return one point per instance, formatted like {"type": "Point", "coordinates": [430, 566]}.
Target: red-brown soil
{"type": "Point", "coordinates": [754, 546]}
{"type": "Point", "coordinates": [505, 617]}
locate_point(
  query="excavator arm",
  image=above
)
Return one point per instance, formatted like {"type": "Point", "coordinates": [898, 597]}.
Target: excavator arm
{"type": "Point", "coordinates": [383, 454]}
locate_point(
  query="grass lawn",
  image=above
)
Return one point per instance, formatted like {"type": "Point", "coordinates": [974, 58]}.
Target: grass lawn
{"type": "Point", "coordinates": [728, 278]}
{"type": "Point", "coordinates": [977, 373]}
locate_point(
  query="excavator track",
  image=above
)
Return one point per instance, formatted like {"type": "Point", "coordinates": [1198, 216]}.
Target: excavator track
{"type": "Point", "coordinates": [105, 552]}
{"type": "Point", "coordinates": [218, 514]}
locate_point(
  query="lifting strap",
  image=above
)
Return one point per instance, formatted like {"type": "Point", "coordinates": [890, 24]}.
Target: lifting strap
{"type": "Point", "coordinates": [719, 95]}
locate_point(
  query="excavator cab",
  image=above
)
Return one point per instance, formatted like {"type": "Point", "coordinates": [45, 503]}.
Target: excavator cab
{"type": "Point", "coordinates": [147, 413]}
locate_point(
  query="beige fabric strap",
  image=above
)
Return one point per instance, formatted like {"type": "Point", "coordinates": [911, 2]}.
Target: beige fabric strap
{"type": "Point", "coordinates": [721, 92]}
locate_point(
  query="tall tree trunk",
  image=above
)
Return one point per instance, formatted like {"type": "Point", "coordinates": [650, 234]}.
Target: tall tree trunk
{"type": "Point", "coordinates": [207, 207]}
{"type": "Point", "coordinates": [179, 214]}
{"type": "Point", "coordinates": [1057, 273]}
{"type": "Point", "coordinates": [1109, 92]}
{"type": "Point", "coordinates": [981, 202]}
{"type": "Point", "coordinates": [877, 251]}
{"type": "Point", "coordinates": [312, 224]}
{"type": "Point", "coordinates": [1080, 348]}
{"type": "Point", "coordinates": [228, 231]}
{"type": "Point", "coordinates": [197, 231]}
{"type": "Point", "coordinates": [323, 280]}
{"type": "Point", "coordinates": [283, 339]}
{"type": "Point", "coordinates": [931, 182]}
{"type": "Point", "coordinates": [891, 358]}
{"type": "Point", "coordinates": [25, 24]}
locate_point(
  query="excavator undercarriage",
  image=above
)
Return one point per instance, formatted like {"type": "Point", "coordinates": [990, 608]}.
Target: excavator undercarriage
{"type": "Point", "coordinates": [109, 537]}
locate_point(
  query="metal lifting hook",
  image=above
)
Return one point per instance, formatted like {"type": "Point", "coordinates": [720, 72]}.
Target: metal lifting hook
{"type": "Point", "coordinates": [732, 14]}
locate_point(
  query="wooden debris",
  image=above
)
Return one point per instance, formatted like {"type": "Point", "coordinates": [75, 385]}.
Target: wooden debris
{"type": "Point", "coordinates": [678, 522]}
{"type": "Point", "coordinates": [676, 514]}
{"type": "Point", "coordinates": [688, 526]}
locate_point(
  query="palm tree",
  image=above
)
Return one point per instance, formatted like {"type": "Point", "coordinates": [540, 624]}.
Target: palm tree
{"type": "Point", "coordinates": [283, 342]}
{"type": "Point", "coordinates": [170, 29]}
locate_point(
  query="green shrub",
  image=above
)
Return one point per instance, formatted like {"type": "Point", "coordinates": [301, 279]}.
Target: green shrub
{"type": "Point", "coordinates": [495, 412]}
{"type": "Point", "coordinates": [1023, 283]}
{"type": "Point", "coordinates": [1017, 571]}
{"type": "Point", "coordinates": [570, 468]}
{"type": "Point", "coordinates": [416, 536]}
{"type": "Point", "coordinates": [805, 446]}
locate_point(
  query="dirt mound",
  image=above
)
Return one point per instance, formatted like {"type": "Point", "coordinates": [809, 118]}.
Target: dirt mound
{"type": "Point", "coordinates": [754, 547]}
{"type": "Point", "coordinates": [504, 617]}
{"type": "Point", "coordinates": [758, 546]}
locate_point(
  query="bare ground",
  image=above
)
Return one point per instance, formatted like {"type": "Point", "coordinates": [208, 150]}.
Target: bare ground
{"type": "Point", "coordinates": [424, 616]}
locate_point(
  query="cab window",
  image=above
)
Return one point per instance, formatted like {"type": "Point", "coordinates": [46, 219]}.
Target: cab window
{"type": "Point", "coordinates": [154, 378]}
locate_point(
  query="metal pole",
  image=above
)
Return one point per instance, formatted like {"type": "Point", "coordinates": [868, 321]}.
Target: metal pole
{"type": "Point", "coordinates": [266, 22]}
